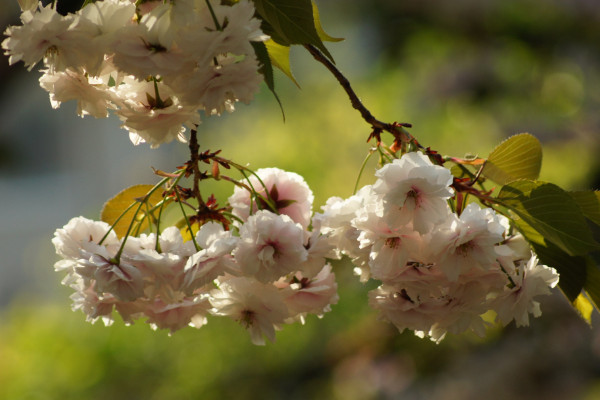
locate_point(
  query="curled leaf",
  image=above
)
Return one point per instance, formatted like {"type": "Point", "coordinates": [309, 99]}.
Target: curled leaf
{"type": "Point", "coordinates": [119, 211]}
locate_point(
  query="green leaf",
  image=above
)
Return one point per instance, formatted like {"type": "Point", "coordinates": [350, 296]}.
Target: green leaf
{"type": "Point", "coordinates": [290, 22]}
{"type": "Point", "coordinates": [462, 171]}
{"type": "Point", "coordinates": [550, 211]}
{"type": "Point", "coordinates": [115, 210]}
{"type": "Point", "coordinates": [320, 31]}
{"type": "Point", "coordinates": [518, 157]}
{"type": "Point", "coordinates": [572, 269]}
{"type": "Point", "coordinates": [266, 69]}
{"type": "Point", "coordinates": [589, 203]}
{"type": "Point", "coordinates": [280, 58]}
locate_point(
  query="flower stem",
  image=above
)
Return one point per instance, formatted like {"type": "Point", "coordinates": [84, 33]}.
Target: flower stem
{"type": "Point", "coordinates": [187, 221]}
{"type": "Point", "coordinates": [214, 17]}
{"type": "Point", "coordinates": [362, 169]}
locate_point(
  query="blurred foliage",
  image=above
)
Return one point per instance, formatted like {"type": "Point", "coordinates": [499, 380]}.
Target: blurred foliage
{"type": "Point", "coordinates": [467, 74]}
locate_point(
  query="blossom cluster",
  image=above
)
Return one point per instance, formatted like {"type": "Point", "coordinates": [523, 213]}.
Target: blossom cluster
{"type": "Point", "coordinates": [155, 65]}
{"type": "Point", "coordinates": [268, 271]}
{"type": "Point", "coordinates": [439, 271]}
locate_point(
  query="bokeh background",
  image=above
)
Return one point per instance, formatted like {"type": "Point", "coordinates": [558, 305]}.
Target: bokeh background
{"type": "Point", "coordinates": [466, 74]}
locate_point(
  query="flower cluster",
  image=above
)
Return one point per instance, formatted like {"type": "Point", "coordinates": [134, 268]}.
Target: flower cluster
{"type": "Point", "coordinates": [440, 271]}
{"type": "Point", "coordinates": [155, 65]}
{"type": "Point", "coordinates": [268, 271]}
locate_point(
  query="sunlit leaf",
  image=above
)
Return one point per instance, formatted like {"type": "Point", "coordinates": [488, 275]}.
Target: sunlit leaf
{"type": "Point", "coordinates": [584, 307]}
{"type": "Point", "coordinates": [290, 22]}
{"type": "Point", "coordinates": [113, 211]}
{"type": "Point", "coordinates": [280, 58]}
{"type": "Point", "coordinates": [266, 69]}
{"type": "Point", "coordinates": [185, 231]}
{"type": "Point", "coordinates": [592, 282]}
{"type": "Point", "coordinates": [550, 211]}
{"type": "Point", "coordinates": [320, 31]}
{"type": "Point", "coordinates": [518, 157]}
{"type": "Point", "coordinates": [589, 203]}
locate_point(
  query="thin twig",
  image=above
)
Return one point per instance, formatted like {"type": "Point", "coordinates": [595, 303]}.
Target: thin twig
{"type": "Point", "coordinates": [195, 159]}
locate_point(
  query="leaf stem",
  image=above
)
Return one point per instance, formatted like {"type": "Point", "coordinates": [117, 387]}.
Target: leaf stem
{"type": "Point", "coordinates": [187, 221]}
{"type": "Point", "coordinates": [214, 17]}
{"type": "Point", "coordinates": [157, 245]}
{"type": "Point", "coordinates": [362, 169]}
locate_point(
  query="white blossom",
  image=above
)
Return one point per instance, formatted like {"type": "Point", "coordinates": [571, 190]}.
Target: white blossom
{"type": "Point", "coordinates": [530, 280]}
{"type": "Point", "coordinates": [314, 296]}
{"type": "Point", "coordinates": [258, 307]}
{"type": "Point", "coordinates": [122, 280]}
{"type": "Point", "coordinates": [152, 118]}
{"type": "Point", "coordinates": [215, 258]}
{"type": "Point", "coordinates": [175, 316]}
{"type": "Point", "coordinates": [467, 241]}
{"type": "Point", "coordinates": [288, 191]}
{"type": "Point", "coordinates": [91, 94]}
{"type": "Point", "coordinates": [139, 50]}
{"type": "Point", "coordinates": [80, 239]}
{"type": "Point", "coordinates": [414, 190]}
{"type": "Point", "coordinates": [61, 41]}
{"type": "Point", "coordinates": [270, 246]}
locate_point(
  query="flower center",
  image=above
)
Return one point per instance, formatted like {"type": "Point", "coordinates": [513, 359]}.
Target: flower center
{"type": "Point", "coordinates": [413, 196]}
{"type": "Point", "coordinates": [465, 248]}
{"type": "Point", "coordinates": [393, 242]}
{"type": "Point", "coordinates": [247, 318]}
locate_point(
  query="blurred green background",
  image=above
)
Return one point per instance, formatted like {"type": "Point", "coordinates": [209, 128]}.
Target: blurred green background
{"type": "Point", "coordinates": [466, 74]}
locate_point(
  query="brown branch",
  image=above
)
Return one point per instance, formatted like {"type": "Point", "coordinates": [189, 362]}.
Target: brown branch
{"type": "Point", "coordinates": [396, 129]}
{"type": "Point", "coordinates": [195, 159]}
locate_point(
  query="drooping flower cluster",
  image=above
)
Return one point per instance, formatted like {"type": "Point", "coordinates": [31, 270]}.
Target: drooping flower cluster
{"type": "Point", "coordinates": [269, 271]}
{"type": "Point", "coordinates": [155, 65]}
{"type": "Point", "coordinates": [439, 271]}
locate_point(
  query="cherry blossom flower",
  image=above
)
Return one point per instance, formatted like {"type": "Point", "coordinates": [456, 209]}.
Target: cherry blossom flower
{"type": "Point", "coordinates": [530, 280]}
{"type": "Point", "coordinates": [314, 296]}
{"type": "Point", "coordinates": [91, 94]}
{"type": "Point", "coordinates": [122, 280]}
{"type": "Point", "coordinates": [80, 238]}
{"type": "Point", "coordinates": [288, 191]}
{"type": "Point", "coordinates": [175, 316]}
{"type": "Point", "coordinates": [320, 247]}
{"type": "Point", "coordinates": [414, 190]}
{"type": "Point", "coordinates": [270, 246]}
{"type": "Point", "coordinates": [152, 118]}
{"type": "Point", "coordinates": [337, 222]}
{"type": "Point", "coordinates": [215, 258]}
{"type": "Point", "coordinates": [258, 307]}
{"type": "Point", "coordinates": [466, 242]}
{"type": "Point", "coordinates": [60, 41]}
{"type": "Point", "coordinates": [139, 50]}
